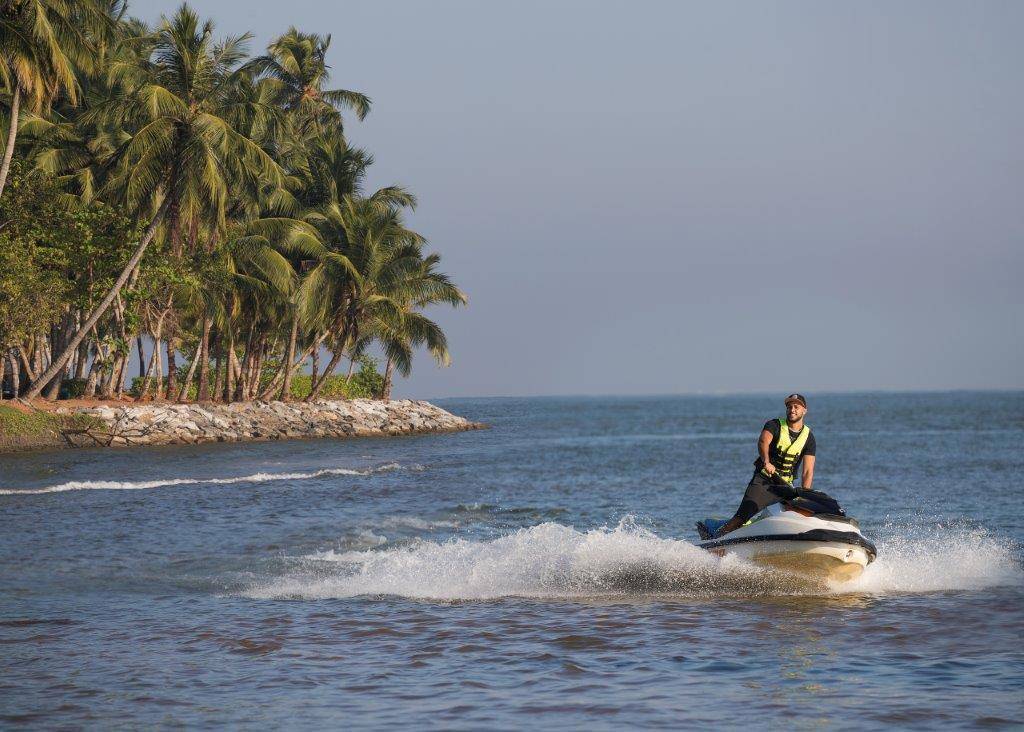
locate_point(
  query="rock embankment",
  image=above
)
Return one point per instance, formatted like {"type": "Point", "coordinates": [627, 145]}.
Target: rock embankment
{"type": "Point", "coordinates": [165, 424]}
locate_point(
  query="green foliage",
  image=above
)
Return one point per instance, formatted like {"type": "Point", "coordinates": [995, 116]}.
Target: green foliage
{"type": "Point", "coordinates": [54, 253]}
{"type": "Point", "coordinates": [16, 423]}
{"type": "Point", "coordinates": [30, 295]}
{"type": "Point", "coordinates": [367, 382]}
{"type": "Point", "coordinates": [72, 388]}
{"type": "Point", "coordinates": [135, 388]}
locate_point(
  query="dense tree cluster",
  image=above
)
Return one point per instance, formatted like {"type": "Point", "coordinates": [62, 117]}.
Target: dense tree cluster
{"type": "Point", "coordinates": [165, 194]}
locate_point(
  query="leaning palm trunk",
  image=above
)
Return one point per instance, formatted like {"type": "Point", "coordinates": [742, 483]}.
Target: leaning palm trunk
{"type": "Point", "coordinates": [286, 388]}
{"type": "Point", "coordinates": [12, 133]}
{"type": "Point", "coordinates": [26, 362]}
{"type": "Point", "coordinates": [315, 391]}
{"type": "Point", "coordinates": [58, 363]}
{"type": "Point", "coordinates": [187, 381]}
{"type": "Point", "coordinates": [385, 392]}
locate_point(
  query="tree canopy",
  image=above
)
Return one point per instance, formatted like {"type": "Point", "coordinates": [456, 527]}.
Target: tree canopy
{"type": "Point", "coordinates": [165, 193]}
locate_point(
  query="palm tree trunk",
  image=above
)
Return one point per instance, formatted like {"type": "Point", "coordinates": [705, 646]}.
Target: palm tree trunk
{"type": "Point", "coordinates": [37, 354]}
{"type": "Point", "coordinates": [58, 337]}
{"type": "Point", "coordinates": [12, 133]}
{"type": "Point", "coordinates": [3, 369]}
{"type": "Point", "coordinates": [154, 360]}
{"type": "Point", "coordinates": [315, 391]}
{"type": "Point", "coordinates": [121, 370]}
{"type": "Point", "coordinates": [295, 366]}
{"type": "Point", "coordinates": [234, 373]}
{"type": "Point", "coordinates": [83, 355]}
{"type": "Point", "coordinates": [172, 367]}
{"type": "Point", "coordinates": [286, 388]}
{"type": "Point", "coordinates": [242, 377]}
{"type": "Point", "coordinates": [58, 363]}
{"type": "Point", "coordinates": [218, 382]}
{"type": "Point", "coordinates": [203, 394]}
{"type": "Point", "coordinates": [122, 382]}
{"type": "Point", "coordinates": [108, 377]}
{"type": "Point", "coordinates": [29, 371]}
{"type": "Point", "coordinates": [95, 368]}
{"type": "Point", "coordinates": [142, 354]}
{"type": "Point", "coordinates": [388, 373]}
{"type": "Point", "coordinates": [117, 376]}
{"type": "Point", "coordinates": [159, 371]}
{"type": "Point", "coordinates": [15, 373]}
{"type": "Point", "coordinates": [193, 365]}
{"type": "Point", "coordinates": [257, 368]}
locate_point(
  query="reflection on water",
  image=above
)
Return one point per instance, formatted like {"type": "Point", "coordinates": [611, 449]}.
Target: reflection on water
{"type": "Point", "coordinates": [539, 573]}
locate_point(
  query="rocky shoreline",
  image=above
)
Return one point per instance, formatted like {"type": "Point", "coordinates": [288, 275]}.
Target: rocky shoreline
{"type": "Point", "coordinates": [169, 424]}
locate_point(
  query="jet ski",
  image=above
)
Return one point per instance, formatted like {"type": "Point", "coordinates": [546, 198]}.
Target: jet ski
{"type": "Point", "coordinates": [806, 533]}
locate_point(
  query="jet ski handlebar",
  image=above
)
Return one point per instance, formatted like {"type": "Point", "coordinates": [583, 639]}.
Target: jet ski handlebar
{"type": "Point", "coordinates": [803, 498]}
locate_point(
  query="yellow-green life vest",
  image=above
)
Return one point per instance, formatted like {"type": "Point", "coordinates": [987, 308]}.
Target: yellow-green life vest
{"type": "Point", "coordinates": [787, 451]}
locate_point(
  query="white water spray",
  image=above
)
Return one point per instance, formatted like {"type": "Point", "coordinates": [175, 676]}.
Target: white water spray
{"type": "Point", "coordinates": [556, 561]}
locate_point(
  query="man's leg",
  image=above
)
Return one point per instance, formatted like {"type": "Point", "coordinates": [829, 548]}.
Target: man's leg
{"type": "Point", "coordinates": [757, 497]}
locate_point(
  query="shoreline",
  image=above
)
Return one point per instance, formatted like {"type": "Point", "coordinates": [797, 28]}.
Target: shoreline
{"type": "Point", "coordinates": [150, 423]}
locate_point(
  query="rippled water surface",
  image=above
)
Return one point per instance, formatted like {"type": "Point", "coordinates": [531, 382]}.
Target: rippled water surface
{"type": "Point", "coordinates": [537, 573]}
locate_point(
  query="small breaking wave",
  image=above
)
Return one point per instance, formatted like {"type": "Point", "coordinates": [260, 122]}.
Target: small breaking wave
{"type": "Point", "coordinates": [128, 485]}
{"type": "Point", "coordinates": [552, 560]}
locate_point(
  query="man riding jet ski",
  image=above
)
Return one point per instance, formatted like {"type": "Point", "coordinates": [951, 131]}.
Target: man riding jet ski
{"type": "Point", "coordinates": [795, 529]}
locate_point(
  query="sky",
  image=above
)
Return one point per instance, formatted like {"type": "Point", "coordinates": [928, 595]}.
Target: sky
{"type": "Point", "coordinates": [696, 197]}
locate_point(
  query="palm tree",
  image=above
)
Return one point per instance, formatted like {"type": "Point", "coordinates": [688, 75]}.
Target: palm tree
{"type": "Point", "coordinates": [183, 156]}
{"type": "Point", "coordinates": [368, 251]}
{"type": "Point", "coordinates": [41, 44]}
{"type": "Point", "coordinates": [296, 67]}
{"type": "Point", "coordinates": [74, 146]}
{"type": "Point", "coordinates": [423, 286]}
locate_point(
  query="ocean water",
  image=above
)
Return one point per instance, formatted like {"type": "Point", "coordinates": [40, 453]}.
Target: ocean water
{"type": "Point", "coordinates": [539, 573]}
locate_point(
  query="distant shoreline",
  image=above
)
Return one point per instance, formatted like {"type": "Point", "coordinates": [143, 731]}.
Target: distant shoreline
{"type": "Point", "coordinates": [142, 424]}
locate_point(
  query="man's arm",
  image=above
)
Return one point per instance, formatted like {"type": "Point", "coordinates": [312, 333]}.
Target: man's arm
{"type": "Point", "coordinates": [807, 474]}
{"type": "Point", "coordinates": [762, 447]}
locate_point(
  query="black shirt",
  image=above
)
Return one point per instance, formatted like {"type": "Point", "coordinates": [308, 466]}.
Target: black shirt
{"type": "Point", "coordinates": [773, 426]}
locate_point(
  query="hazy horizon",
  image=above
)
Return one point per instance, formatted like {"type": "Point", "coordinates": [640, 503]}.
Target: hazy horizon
{"type": "Point", "coordinates": [652, 198]}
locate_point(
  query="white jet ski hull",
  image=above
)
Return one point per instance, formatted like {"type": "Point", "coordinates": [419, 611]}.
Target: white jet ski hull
{"type": "Point", "coordinates": [826, 560]}
{"type": "Point", "coordinates": [822, 548]}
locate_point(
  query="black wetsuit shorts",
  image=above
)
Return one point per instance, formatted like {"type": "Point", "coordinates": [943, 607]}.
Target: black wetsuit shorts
{"type": "Point", "coordinates": [761, 492]}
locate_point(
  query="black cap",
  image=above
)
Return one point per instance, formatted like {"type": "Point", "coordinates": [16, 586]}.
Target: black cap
{"type": "Point", "coordinates": [796, 398]}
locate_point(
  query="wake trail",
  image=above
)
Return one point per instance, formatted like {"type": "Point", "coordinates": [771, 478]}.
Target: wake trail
{"type": "Point", "coordinates": [115, 485]}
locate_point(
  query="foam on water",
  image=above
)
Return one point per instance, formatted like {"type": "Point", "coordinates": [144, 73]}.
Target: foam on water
{"type": "Point", "coordinates": [938, 558]}
{"type": "Point", "coordinates": [552, 560]}
{"type": "Point", "coordinates": [129, 485]}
